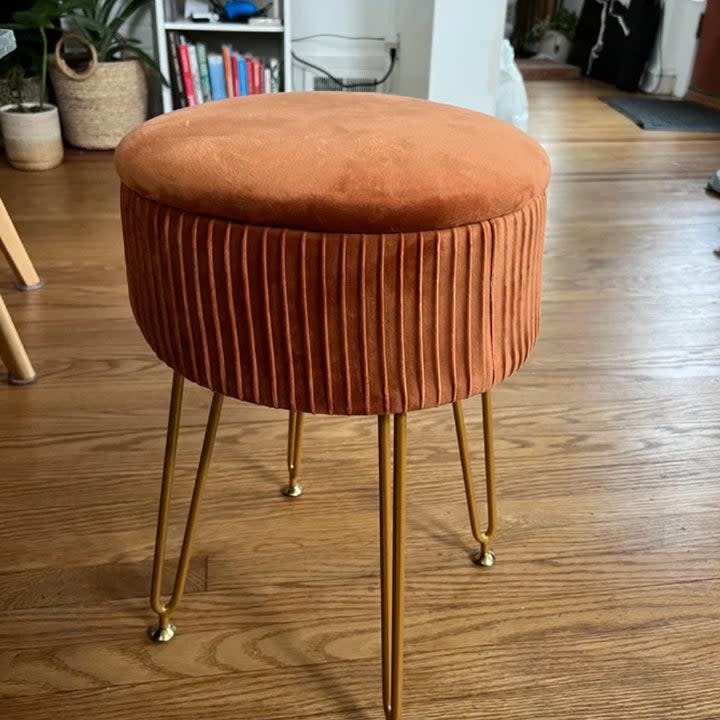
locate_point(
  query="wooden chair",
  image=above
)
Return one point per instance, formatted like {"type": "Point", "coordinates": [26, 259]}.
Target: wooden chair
{"type": "Point", "coordinates": [12, 351]}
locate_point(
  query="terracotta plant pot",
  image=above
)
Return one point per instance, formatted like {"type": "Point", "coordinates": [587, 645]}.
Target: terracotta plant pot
{"type": "Point", "coordinates": [555, 46]}
{"type": "Point", "coordinates": [33, 141]}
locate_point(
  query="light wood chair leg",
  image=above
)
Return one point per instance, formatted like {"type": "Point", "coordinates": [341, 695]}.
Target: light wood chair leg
{"type": "Point", "coordinates": [12, 351]}
{"type": "Point", "coordinates": [14, 251]}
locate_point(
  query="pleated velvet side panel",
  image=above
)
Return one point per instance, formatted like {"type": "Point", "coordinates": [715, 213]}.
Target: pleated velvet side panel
{"type": "Point", "coordinates": [330, 323]}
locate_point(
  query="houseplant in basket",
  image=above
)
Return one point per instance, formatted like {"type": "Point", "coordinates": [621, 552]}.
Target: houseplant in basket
{"type": "Point", "coordinates": [31, 130]}
{"type": "Point", "coordinates": [555, 35]}
{"type": "Point", "coordinates": [106, 100]}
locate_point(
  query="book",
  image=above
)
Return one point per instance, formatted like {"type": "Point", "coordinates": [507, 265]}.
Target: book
{"type": "Point", "coordinates": [235, 73]}
{"type": "Point", "coordinates": [184, 56]}
{"type": "Point", "coordinates": [266, 82]}
{"type": "Point", "coordinates": [264, 21]}
{"type": "Point", "coordinates": [243, 75]}
{"type": "Point", "coordinates": [176, 77]}
{"type": "Point", "coordinates": [195, 73]}
{"type": "Point", "coordinates": [227, 65]}
{"type": "Point", "coordinates": [216, 71]}
{"type": "Point", "coordinates": [274, 65]}
{"type": "Point", "coordinates": [250, 64]}
{"type": "Point", "coordinates": [202, 56]}
{"type": "Point", "coordinates": [259, 76]}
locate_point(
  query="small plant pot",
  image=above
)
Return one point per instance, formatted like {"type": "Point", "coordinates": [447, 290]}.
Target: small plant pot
{"type": "Point", "coordinates": [555, 46]}
{"type": "Point", "coordinates": [33, 140]}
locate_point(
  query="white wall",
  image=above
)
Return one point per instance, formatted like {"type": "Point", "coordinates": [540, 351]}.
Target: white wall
{"type": "Point", "coordinates": [449, 49]}
{"type": "Point", "coordinates": [356, 18]}
{"type": "Point", "coordinates": [465, 58]}
{"type": "Point", "coordinates": [414, 23]}
{"type": "Point", "coordinates": [345, 17]}
{"type": "Point", "coordinates": [343, 57]}
{"type": "Point", "coordinates": [671, 65]}
{"type": "Point", "coordinates": [141, 27]}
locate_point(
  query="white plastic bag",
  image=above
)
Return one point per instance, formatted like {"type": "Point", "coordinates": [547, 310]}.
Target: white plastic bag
{"type": "Point", "coordinates": [511, 98]}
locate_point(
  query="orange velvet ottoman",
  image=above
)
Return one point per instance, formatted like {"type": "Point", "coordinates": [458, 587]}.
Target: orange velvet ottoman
{"type": "Point", "coordinates": [335, 253]}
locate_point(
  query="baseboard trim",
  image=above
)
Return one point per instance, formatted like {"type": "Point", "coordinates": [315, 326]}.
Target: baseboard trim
{"type": "Point", "coordinates": [698, 97]}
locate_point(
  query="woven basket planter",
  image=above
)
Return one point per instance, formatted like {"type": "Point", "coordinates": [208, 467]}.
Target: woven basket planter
{"type": "Point", "coordinates": [101, 105]}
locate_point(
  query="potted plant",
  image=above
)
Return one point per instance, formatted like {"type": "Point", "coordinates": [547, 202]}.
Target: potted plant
{"type": "Point", "coordinates": [21, 67]}
{"type": "Point", "coordinates": [555, 34]}
{"type": "Point", "coordinates": [31, 130]}
{"type": "Point", "coordinates": [101, 104]}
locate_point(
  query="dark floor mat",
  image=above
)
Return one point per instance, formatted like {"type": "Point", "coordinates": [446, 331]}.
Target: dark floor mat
{"type": "Point", "coordinates": [679, 115]}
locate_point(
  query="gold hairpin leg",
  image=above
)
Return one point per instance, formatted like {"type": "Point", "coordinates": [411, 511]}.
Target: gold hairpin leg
{"type": "Point", "coordinates": [165, 631]}
{"type": "Point", "coordinates": [294, 448]}
{"type": "Point", "coordinates": [485, 557]}
{"type": "Point", "coordinates": [392, 560]}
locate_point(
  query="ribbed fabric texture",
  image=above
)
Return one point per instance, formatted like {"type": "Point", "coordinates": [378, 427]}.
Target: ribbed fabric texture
{"type": "Point", "coordinates": [335, 323]}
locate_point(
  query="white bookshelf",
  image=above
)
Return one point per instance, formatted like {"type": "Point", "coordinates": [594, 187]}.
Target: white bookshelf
{"type": "Point", "coordinates": [261, 40]}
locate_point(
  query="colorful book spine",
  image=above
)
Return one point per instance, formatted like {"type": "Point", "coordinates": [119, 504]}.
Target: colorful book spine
{"type": "Point", "coordinates": [274, 66]}
{"type": "Point", "coordinates": [200, 76]}
{"type": "Point", "coordinates": [186, 72]}
{"type": "Point", "coordinates": [216, 71]}
{"type": "Point", "coordinates": [227, 65]}
{"type": "Point", "coordinates": [195, 73]}
{"type": "Point", "coordinates": [176, 82]}
{"type": "Point", "coordinates": [243, 75]}
{"type": "Point", "coordinates": [250, 64]}
{"type": "Point", "coordinates": [202, 56]}
{"type": "Point", "coordinates": [235, 75]}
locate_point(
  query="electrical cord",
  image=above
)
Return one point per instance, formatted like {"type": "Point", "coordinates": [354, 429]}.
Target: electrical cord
{"type": "Point", "coordinates": [350, 85]}
{"type": "Point", "coordinates": [336, 35]}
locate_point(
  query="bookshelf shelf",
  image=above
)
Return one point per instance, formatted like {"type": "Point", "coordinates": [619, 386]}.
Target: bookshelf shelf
{"type": "Point", "coordinates": [188, 26]}
{"type": "Point", "coordinates": [260, 40]}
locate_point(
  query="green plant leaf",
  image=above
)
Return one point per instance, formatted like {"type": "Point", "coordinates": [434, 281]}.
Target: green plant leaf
{"type": "Point", "coordinates": [131, 7]}
{"type": "Point", "coordinates": [105, 10]}
{"type": "Point", "coordinates": [88, 24]}
{"type": "Point", "coordinates": [142, 55]}
{"type": "Point", "coordinates": [32, 20]}
{"type": "Point", "coordinates": [100, 22]}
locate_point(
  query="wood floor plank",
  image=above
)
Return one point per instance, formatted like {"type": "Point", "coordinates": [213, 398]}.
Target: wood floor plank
{"type": "Point", "coordinates": [50, 587]}
{"type": "Point", "coordinates": [255, 630]}
{"type": "Point", "coordinates": [605, 601]}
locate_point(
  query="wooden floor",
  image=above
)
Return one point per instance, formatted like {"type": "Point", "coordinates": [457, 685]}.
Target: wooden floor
{"type": "Point", "coordinates": [540, 69]}
{"type": "Point", "coordinates": [605, 601]}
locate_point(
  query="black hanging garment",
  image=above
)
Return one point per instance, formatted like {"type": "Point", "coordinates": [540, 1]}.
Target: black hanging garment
{"type": "Point", "coordinates": [587, 33]}
{"type": "Point", "coordinates": [644, 20]}
{"type": "Point", "coordinates": [625, 33]}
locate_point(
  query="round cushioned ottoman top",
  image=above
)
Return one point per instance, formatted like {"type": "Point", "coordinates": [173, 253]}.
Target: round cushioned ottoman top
{"type": "Point", "coordinates": [334, 162]}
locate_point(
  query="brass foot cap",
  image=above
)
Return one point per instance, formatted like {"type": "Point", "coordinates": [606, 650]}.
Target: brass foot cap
{"type": "Point", "coordinates": [292, 491]}
{"type": "Point", "coordinates": [162, 635]}
{"type": "Point", "coordinates": [484, 559]}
